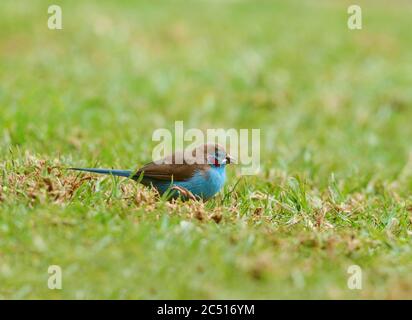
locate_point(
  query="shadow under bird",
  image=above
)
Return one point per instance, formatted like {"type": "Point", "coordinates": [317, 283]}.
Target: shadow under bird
{"type": "Point", "coordinates": [197, 174]}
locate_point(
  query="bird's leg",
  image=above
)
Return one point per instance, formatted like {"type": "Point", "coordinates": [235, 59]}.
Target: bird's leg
{"type": "Point", "coordinates": [184, 192]}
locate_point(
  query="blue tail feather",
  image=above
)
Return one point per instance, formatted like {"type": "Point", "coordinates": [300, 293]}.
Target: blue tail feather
{"type": "Point", "coordinates": [113, 172]}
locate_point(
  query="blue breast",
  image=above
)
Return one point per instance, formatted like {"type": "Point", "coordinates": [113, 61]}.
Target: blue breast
{"type": "Point", "coordinates": [202, 185]}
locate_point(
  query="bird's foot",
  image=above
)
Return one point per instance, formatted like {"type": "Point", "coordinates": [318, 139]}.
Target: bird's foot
{"type": "Point", "coordinates": [184, 192]}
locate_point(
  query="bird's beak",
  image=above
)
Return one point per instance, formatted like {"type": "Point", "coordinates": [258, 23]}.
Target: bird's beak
{"type": "Point", "coordinates": [230, 159]}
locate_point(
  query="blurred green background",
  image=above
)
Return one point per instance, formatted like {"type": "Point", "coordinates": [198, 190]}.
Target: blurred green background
{"type": "Point", "coordinates": [333, 106]}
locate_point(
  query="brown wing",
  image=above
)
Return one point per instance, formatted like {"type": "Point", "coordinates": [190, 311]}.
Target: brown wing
{"type": "Point", "coordinates": [166, 169]}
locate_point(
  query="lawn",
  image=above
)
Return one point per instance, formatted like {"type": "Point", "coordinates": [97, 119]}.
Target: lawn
{"type": "Point", "coordinates": [334, 107]}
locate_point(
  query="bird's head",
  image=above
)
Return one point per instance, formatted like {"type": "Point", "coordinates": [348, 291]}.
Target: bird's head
{"type": "Point", "coordinates": [214, 154]}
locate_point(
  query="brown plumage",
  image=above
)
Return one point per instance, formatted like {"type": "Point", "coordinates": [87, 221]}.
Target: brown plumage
{"type": "Point", "coordinates": [180, 166]}
{"type": "Point", "coordinates": [194, 174]}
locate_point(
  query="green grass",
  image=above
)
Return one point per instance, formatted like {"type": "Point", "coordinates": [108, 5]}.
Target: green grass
{"type": "Point", "coordinates": [334, 107]}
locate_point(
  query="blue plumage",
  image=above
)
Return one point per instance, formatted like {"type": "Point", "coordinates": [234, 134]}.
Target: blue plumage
{"type": "Point", "coordinates": [201, 185]}
{"type": "Point", "coordinates": [199, 180]}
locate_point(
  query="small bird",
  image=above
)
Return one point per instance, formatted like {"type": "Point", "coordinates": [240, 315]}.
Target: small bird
{"type": "Point", "coordinates": [197, 174]}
